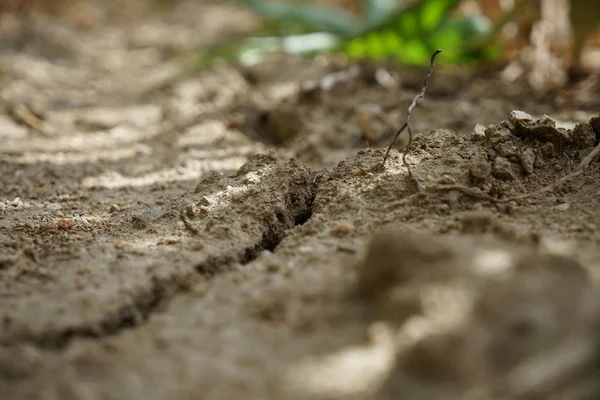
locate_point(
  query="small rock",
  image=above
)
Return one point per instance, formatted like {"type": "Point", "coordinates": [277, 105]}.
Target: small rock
{"type": "Point", "coordinates": [548, 150]}
{"type": "Point", "coordinates": [480, 169]}
{"type": "Point", "coordinates": [191, 210]}
{"type": "Point", "coordinates": [517, 117]}
{"type": "Point", "coordinates": [497, 133]}
{"type": "Point", "coordinates": [114, 208]}
{"type": "Point", "coordinates": [562, 207]}
{"type": "Point", "coordinates": [506, 149]}
{"type": "Point", "coordinates": [16, 204]}
{"type": "Point", "coordinates": [583, 135]}
{"type": "Point", "coordinates": [503, 169]}
{"type": "Point", "coordinates": [543, 130]}
{"type": "Point", "coordinates": [527, 159]}
{"type": "Point", "coordinates": [479, 130]}
{"type": "Point", "coordinates": [65, 223]}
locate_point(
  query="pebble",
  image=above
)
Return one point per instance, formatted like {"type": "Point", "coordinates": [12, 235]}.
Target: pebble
{"type": "Point", "coordinates": [480, 169]}
{"type": "Point", "coordinates": [65, 223]}
{"type": "Point", "coordinates": [503, 169]}
{"type": "Point", "coordinates": [527, 159]}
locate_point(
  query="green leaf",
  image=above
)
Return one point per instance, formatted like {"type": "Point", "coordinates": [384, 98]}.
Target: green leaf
{"type": "Point", "coordinates": [414, 52]}
{"type": "Point", "coordinates": [456, 37]}
{"type": "Point", "coordinates": [434, 12]}
{"type": "Point", "coordinates": [408, 25]}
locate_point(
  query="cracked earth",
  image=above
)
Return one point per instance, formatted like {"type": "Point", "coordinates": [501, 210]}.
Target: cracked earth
{"type": "Point", "coordinates": [233, 235]}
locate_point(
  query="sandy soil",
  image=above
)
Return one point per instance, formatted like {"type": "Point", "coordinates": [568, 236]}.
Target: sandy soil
{"type": "Point", "coordinates": [234, 235]}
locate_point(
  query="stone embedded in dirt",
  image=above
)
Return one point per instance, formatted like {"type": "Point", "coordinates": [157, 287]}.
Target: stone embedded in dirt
{"type": "Point", "coordinates": [517, 117]}
{"type": "Point", "coordinates": [548, 150]}
{"type": "Point", "coordinates": [543, 130]}
{"type": "Point", "coordinates": [497, 133]}
{"type": "Point", "coordinates": [480, 169]}
{"type": "Point", "coordinates": [503, 169]}
{"type": "Point", "coordinates": [65, 223]}
{"type": "Point", "coordinates": [479, 130]}
{"type": "Point", "coordinates": [583, 135]}
{"type": "Point", "coordinates": [507, 149]}
{"type": "Point", "coordinates": [395, 257]}
{"type": "Point", "coordinates": [527, 159]}
{"type": "Point", "coordinates": [191, 210]}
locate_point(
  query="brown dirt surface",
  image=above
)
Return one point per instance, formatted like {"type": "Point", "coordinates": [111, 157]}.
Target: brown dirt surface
{"type": "Point", "coordinates": [234, 234]}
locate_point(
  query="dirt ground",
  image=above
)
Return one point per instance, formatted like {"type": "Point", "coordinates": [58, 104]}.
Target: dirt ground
{"type": "Point", "coordinates": [234, 236]}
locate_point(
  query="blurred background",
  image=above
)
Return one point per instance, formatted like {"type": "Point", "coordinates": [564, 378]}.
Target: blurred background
{"type": "Point", "coordinates": [471, 32]}
{"type": "Point", "coordinates": [264, 63]}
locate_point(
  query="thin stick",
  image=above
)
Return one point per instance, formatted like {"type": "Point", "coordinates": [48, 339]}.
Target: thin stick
{"type": "Point", "coordinates": [409, 112]}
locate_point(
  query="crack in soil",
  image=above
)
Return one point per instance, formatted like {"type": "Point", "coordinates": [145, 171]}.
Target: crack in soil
{"type": "Point", "coordinates": [278, 221]}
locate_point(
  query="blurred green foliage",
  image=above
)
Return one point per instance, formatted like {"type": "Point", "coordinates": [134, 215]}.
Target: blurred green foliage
{"type": "Point", "coordinates": [407, 32]}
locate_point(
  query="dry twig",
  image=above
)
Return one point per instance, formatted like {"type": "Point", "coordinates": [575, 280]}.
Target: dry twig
{"type": "Point", "coordinates": [408, 115]}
